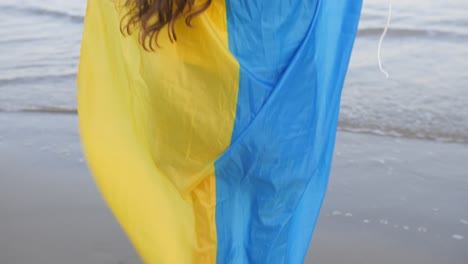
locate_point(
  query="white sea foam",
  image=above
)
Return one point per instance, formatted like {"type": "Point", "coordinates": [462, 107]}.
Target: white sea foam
{"type": "Point", "coordinates": [336, 213]}
{"type": "Point", "coordinates": [458, 237]}
{"type": "Point", "coordinates": [383, 221]}
{"type": "Point", "coordinates": [422, 229]}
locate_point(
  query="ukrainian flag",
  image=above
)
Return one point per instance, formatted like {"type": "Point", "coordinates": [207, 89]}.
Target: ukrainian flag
{"type": "Point", "coordinates": [217, 148]}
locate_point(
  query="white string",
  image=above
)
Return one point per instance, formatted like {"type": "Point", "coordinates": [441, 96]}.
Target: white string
{"type": "Point", "coordinates": [383, 36]}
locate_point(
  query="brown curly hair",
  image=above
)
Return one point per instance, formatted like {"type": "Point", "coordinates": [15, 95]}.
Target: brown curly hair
{"type": "Point", "coordinates": [151, 16]}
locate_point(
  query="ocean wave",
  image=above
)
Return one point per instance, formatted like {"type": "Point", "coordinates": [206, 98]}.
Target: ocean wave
{"type": "Point", "coordinates": [35, 78]}
{"type": "Point", "coordinates": [43, 110]}
{"type": "Point", "coordinates": [440, 136]}
{"type": "Point", "coordinates": [21, 39]}
{"type": "Point", "coordinates": [410, 32]}
{"type": "Point", "coordinates": [42, 11]}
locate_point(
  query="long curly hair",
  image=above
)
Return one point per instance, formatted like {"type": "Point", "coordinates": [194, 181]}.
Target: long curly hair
{"type": "Point", "coordinates": [149, 17]}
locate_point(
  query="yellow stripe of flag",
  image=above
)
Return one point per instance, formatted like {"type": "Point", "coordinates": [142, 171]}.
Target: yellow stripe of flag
{"type": "Point", "coordinates": [152, 125]}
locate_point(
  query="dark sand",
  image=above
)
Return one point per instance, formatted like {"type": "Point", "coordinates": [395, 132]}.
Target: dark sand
{"type": "Point", "coordinates": [390, 200]}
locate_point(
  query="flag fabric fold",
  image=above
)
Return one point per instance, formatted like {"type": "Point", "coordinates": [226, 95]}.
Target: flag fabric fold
{"type": "Point", "coordinates": [217, 148]}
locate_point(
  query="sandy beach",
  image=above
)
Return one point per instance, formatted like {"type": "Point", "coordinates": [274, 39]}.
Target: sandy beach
{"type": "Point", "coordinates": [390, 200]}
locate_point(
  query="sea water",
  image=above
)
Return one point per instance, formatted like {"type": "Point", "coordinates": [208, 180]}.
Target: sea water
{"type": "Point", "coordinates": [425, 53]}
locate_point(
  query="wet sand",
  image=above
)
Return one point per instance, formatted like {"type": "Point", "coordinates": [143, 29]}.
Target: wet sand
{"type": "Point", "coordinates": [390, 200]}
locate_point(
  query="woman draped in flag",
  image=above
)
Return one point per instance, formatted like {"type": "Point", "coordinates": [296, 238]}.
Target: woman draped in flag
{"type": "Point", "coordinates": [209, 126]}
